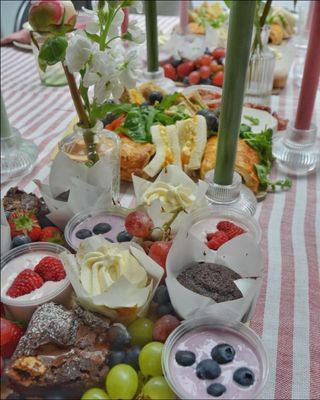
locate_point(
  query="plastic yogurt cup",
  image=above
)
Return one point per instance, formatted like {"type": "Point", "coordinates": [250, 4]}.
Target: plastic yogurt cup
{"type": "Point", "coordinates": [28, 256]}
{"type": "Point", "coordinates": [205, 221]}
{"type": "Point", "coordinates": [88, 220]}
{"type": "Point", "coordinates": [200, 336]}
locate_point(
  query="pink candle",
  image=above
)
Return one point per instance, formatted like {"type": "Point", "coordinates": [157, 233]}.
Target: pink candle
{"type": "Point", "coordinates": [311, 73]}
{"type": "Point", "coordinates": [125, 23]}
{"type": "Point", "coordinates": [184, 17]}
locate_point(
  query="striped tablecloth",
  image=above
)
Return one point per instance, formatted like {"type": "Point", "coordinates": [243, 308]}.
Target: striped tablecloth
{"type": "Point", "coordinates": [287, 316]}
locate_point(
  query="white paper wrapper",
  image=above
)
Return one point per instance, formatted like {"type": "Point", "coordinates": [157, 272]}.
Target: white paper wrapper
{"type": "Point", "coordinates": [122, 294]}
{"type": "Point", "coordinates": [89, 188]}
{"type": "Point", "coordinates": [5, 232]}
{"type": "Point", "coordinates": [241, 254]}
{"type": "Point", "coordinates": [174, 176]}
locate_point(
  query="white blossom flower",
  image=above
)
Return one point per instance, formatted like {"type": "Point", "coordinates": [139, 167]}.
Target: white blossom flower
{"type": "Point", "coordinates": [106, 87]}
{"type": "Point", "coordinates": [116, 24]}
{"type": "Point", "coordinates": [137, 34]}
{"type": "Point", "coordinates": [78, 51]}
{"type": "Point", "coordinates": [130, 69]}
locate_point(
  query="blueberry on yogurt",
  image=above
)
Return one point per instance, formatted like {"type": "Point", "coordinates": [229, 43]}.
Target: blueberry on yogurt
{"type": "Point", "coordinates": [208, 369]}
{"type": "Point", "coordinates": [83, 234]}
{"type": "Point", "coordinates": [124, 236]}
{"type": "Point", "coordinates": [244, 376]}
{"type": "Point", "coordinates": [223, 353]}
{"type": "Point", "coordinates": [101, 228]}
{"type": "Point", "coordinates": [185, 358]}
{"type": "Point", "coordinates": [216, 389]}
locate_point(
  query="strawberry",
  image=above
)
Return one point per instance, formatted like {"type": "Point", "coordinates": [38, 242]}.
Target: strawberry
{"type": "Point", "coordinates": [10, 336]}
{"type": "Point", "coordinates": [24, 283]}
{"type": "Point", "coordinates": [217, 240]}
{"type": "Point", "coordinates": [231, 229]}
{"type": "Point", "coordinates": [24, 222]}
{"type": "Point", "coordinates": [225, 226]}
{"type": "Point", "coordinates": [51, 234]}
{"type": "Point", "coordinates": [50, 269]}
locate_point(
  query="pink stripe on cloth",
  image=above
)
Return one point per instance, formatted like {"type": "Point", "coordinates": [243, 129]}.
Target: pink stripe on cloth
{"type": "Point", "coordinates": [311, 231]}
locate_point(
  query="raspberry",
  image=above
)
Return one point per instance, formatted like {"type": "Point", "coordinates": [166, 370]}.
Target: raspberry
{"type": "Point", "coordinates": [235, 231]}
{"type": "Point", "coordinates": [50, 269]}
{"type": "Point", "coordinates": [217, 239]}
{"type": "Point", "coordinates": [225, 226]}
{"type": "Point", "coordinates": [26, 282]}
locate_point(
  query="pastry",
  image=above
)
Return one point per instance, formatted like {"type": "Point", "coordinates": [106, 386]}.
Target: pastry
{"type": "Point", "coordinates": [246, 158]}
{"type": "Point", "coordinates": [211, 280]}
{"type": "Point", "coordinates": [134, 157]}
{"type": "Point", "coordinates": [62, 351]}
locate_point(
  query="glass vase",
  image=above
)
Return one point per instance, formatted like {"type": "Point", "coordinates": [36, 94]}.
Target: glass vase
{"type": "Point", "coordinates": [260, 69]}
{"type": "Point", "coordinates": [106, 144]}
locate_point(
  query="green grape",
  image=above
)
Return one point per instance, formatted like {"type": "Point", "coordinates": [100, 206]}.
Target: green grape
{"type": "Point", "coordinates": [157, 388]}
{"type": "Point", "coordinates": [141, 331]}
{"type": "Point", "coordinates": [95, 394]}
{"type": "Point", "coordinates": [122, 382]}
{"type": "Point", "coordinates": [150, 359]}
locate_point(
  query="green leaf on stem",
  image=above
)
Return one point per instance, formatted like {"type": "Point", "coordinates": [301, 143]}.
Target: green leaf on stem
{"type": "Point", "coordinates": [94, 37]}
{"type": "Point", "coordinates": [53, 50]}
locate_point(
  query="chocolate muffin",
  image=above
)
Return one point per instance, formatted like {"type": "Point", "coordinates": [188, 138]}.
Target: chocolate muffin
{"type": "Point", "coordinates": [63, 351]}
{"type": "Point", "coordinates": [211, 280]}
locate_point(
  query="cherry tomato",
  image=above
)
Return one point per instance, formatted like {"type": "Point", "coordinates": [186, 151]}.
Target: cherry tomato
{"type": "Point", "coordinates": [205, 72]}
{"type": "Point", "coordinates": [185, 69]}
{"type": "Point", "coordinates": [197, 62]}
{"type": "Point", "coordinates": [194, 78]}
{"type": "Point", "coordinates": [170, 71]}
{"type": "Point", "coordinates": [217, 80]}
{"type": "Point", "coordinates": [219, 53]}
{"type": "Point", "coordinates": [214, 67]}
{"type": "Point", "coordinates": [206, 59]}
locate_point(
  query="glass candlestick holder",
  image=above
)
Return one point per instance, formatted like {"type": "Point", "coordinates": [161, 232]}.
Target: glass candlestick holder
{"type": "Point", "coordinates": [158, 78]}
{"type": "Point", "coordinates": [298, 151]}
{"type": "Point", "coordinates": [236, 196]}
{"type": "Point", "coordinates": [18, 156]}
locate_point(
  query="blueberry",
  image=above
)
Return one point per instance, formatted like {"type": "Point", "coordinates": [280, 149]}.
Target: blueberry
{"type": "Point", "coordinates": [83, 234]}
{"type": "Point", "coordinates": [223, 353]}
{"type": "Point", "coordinates": [118, 336]}
{"type": "Point", "coordinates": [185, 358]}
{"type": "Point", "coordinates": [175, 62]}
{"type": "Point", "coordinates": [208, 369]}
{"type": "Point", "coordinates": [20, 240]}
{"type": "Point", "coordinates": [216, 389]}
{"type": "Point", "coordinates": [109, 240]}
{"type": "Point", "coordinates": [115, 357]}
{"type": "Point", "coordinates": [161, 295]}
{"type": "Point", "coordinates": [211, 120]}
{"type": "Point", "coordinates": [110, 117]}
{"type": "Point", "coordinates": [101, 228]}
{"type": "Point", "coordinates": [165, 309]}
{"type": "Point", "coordinates": [186, 80]}
{"type": "Point", "coordinates": [244, 376]}
{"type": "Point", "coordinates": [132, 357]}
{"type": "Point", "coordinates": [124, 236]}
{"type": "Point", "coordinates": [155, 96]}
{"type": "Point", "coordinates": [15, 396]}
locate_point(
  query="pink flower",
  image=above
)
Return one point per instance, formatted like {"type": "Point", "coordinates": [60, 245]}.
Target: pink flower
{"type": "Point", "coordinates": [52, 15]}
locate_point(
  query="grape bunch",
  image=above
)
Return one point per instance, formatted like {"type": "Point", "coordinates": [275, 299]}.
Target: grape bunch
{"type": "Point", "coordinates": [162, 300]}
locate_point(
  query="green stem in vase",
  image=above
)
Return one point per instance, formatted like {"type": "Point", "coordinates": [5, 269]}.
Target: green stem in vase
{"type": "Point", "coordinates": [5, 124]}
{"type": "Point", "coordinates": [91, 147]}
{"type": "Point", "coordinates": [237, 57]}
{"type": "Point", "coordinates": [150, 7]}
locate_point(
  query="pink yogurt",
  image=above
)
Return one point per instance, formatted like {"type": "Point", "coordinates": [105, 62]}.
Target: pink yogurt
{"type": "Point", "coordinates": [116, 222]}
{"type": "Point", "coordinates": [201, 341]}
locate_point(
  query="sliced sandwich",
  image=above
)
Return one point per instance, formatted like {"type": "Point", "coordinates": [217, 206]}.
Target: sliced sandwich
{"type": "Point", "coordinates": [165, 138]}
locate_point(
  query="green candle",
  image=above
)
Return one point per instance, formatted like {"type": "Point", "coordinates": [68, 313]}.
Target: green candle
{"type": "Point", "coordinates": [5, 125]}
{"type": "Point", "coordinates": [237, 58]}
{"type": "Point", "coordinates": [150, 9]}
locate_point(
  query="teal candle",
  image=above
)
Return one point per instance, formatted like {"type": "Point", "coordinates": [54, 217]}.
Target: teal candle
{"type": "Point", "coordinates": [150, 9]}
{"type": "Point", "coordinates": [5, 125]}
{"type": "Point", "coordinates": [237, 59]}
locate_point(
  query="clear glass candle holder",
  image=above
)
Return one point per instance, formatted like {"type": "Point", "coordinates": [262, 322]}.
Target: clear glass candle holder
{"type": "Point", "coordinates": [236, 195]}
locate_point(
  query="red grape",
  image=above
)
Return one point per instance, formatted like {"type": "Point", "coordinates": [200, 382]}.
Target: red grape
{"type": "Point", "coordinates": [217, 80]}
{"type": "Point", "coordinates": [205, 72]}
{"type": "Point", "coordinates": [170, 72]}
{"type": "Point", "coordinates": [159, 251]}
{"type": "Point", "coordinates": [219, 53]}
{"type": "Point", "coordinates": [194, 78]}
{"type": "Point", "coordinates": [138, 224]}
{"type": "Point", "coordinates": [185, 69]}
{"type": "Point", "coordinates": [206, 59]}
{"type": "Point", "coordinates": [164, 326]}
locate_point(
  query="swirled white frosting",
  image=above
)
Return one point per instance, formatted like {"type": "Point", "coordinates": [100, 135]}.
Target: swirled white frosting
{"type": "Point", "coordinates": [171, 197]}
